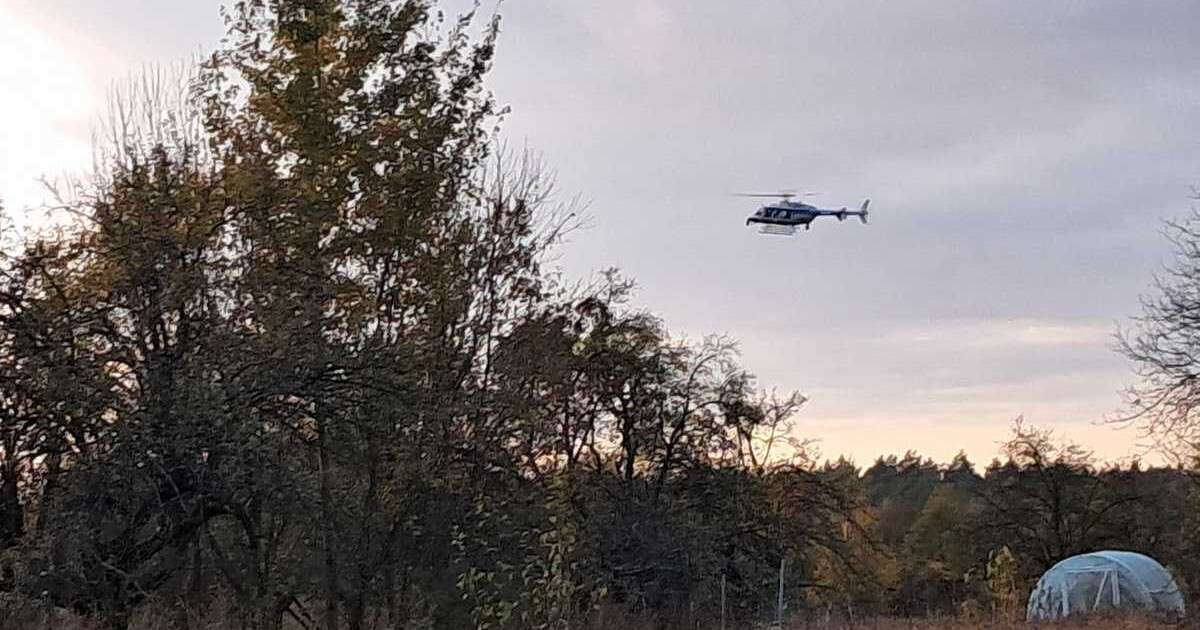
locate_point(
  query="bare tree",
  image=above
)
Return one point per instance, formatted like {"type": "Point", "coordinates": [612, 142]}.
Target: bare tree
{"type": "Point", "coordinates": [1164, 346]}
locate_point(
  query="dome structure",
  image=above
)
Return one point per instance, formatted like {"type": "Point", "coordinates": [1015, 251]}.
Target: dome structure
{"type": "Point", "coordinates": [1104, 581]}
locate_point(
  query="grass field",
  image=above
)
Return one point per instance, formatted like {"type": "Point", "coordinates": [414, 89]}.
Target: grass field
{"type": "Point", "coordinates": [983, 624]}
{"type": "Point", "coordinates": [22, 614]}
{"type": "Point", "coordinates": [869, 624]}
{"type": "Point", "coordinates": [964, 623]}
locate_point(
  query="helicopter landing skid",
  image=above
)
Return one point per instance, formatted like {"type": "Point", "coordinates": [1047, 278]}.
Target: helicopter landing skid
{"type": "Point", "coordinates": [778, 230]}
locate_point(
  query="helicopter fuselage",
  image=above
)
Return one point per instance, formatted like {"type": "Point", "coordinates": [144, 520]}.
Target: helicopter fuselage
{"type": "Point", "coordinates": [787, 213]}
{"type": "Point", "coordinates": [791, 214]}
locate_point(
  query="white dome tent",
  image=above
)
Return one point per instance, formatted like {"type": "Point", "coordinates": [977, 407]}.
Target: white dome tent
{"type": "Point", "coordinates": [1104, 581]}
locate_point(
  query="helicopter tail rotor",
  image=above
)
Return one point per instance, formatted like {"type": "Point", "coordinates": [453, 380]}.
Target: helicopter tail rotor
{"type": "Point", "coordinates": [862, 212]}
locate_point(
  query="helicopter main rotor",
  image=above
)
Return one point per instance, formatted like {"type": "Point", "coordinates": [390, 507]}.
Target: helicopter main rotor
{"type": "Point", "coordinates": [783, 194]}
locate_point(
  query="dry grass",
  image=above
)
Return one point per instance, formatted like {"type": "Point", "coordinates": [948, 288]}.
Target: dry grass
{"type": "Point", "coordinates": [1110, 623]}
{"type": "Point", "coordinates": [18, 613]}
{"type": "Point", "coordinates": [613, 619]}
{"type": "Point", "coordinates": [75, 623]}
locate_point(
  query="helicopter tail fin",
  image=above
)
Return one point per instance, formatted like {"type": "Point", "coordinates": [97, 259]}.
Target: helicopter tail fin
{"type": "Point", "coordinates": [863, 210]}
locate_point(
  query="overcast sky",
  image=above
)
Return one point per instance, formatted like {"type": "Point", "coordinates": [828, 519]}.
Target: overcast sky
{"type": "Point", "coordinates": [1020, 157]}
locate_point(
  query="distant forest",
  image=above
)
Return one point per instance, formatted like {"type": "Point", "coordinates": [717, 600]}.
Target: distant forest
{"type": "Point", "coordinates": [296, 356]}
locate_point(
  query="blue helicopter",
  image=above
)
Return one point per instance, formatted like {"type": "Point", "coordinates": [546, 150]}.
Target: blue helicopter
{"type": "Point", "coordinates": [785, 215]}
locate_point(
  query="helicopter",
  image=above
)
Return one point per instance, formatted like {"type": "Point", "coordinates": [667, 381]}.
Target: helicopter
{"type": "Point", "coordinates": [784, 216]}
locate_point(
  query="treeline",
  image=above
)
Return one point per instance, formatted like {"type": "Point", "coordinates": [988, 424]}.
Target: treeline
{"type": "Point", "coordinates": [956, 541]}
{"type": "Point", "coordinates": [297, 357]}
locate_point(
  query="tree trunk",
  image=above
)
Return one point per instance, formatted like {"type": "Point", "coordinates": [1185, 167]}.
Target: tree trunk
{"type": "Point", "coordinates": [330, 617]}
{"type": "Point", "coordinates": [12, 513]}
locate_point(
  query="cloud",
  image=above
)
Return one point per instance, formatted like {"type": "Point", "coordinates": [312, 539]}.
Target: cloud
{"type": "Point", "coordinates": [1019, 155]}
{"type": "Point", "coordinates": [1004, 334]}
{"type": "Point", "coordinates": [47, 101]}
{"type": "Point", "coordinates": [58, 59]}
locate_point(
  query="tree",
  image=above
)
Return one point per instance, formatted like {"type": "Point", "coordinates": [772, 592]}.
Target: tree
{"type": "Point", "coordinates": [941, 555]}
{"type": "Point", "coordinates": [1002, 582]}
{"type": "Point", "coordinates": [132, 317]}
{"type": "Point", "coordinates": [1164, 348]}
{"type": "Point", "coordinates": [899, 489]}
{"type": "Point", "coordinates": [1047, 503]}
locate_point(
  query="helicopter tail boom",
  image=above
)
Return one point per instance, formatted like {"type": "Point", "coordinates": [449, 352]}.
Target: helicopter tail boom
{"type": "Point", "coordinates": [861, 213]}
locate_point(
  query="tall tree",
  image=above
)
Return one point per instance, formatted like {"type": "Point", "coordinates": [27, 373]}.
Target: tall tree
{"type": "Point", "coordinates": [378, 262]}
{"type": "Point", "coordinates": [1164, 346]}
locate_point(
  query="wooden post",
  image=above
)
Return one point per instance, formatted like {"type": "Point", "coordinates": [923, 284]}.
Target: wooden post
{"type": "Point", "coordinates": [779, 605]}
{"type": "Point", "coordinates": [722, 600]}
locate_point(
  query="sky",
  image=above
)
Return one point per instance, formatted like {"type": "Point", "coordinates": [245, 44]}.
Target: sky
{"type": "Point", "coordinates": [1020, 157]}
